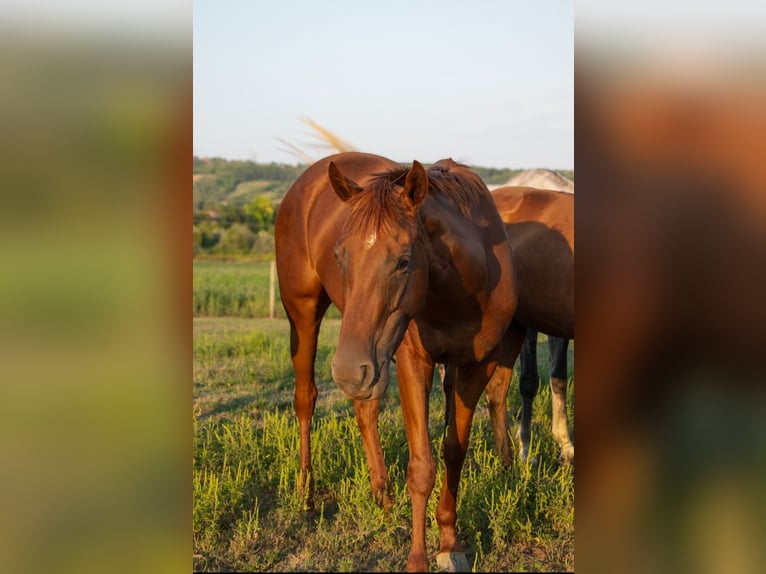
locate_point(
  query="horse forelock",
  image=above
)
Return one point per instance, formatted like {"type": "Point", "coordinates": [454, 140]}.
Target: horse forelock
{"type": "Point", "coordinates": [378, 208]}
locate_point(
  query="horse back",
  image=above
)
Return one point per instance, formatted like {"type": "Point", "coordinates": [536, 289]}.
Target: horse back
{"type": "Point", "coordinates": [540, 227]}
{"type": "Point", "coordinates": [552, 208]}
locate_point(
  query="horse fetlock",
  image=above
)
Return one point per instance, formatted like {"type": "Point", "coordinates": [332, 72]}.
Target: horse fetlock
{"type": "Point", "coordinates": [524, 455]}
{"type": "Point", "coordinates": [452, 562]}
{"type": "Point", "coordinates": [505, 454]}
{"type": "Point", "coordinates": [417, 563]}
{"type": "Point", "coordinates": [306, 490]}
{"type": "Point", "coordinates": [383, 496]}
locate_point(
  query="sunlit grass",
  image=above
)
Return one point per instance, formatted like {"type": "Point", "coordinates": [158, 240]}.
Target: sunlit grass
{"type": "Point", "coordinates": [247, 514]}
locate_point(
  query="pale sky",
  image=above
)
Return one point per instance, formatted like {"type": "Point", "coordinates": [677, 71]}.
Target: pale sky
{"type": "Point", "coordinates": [487, 82]}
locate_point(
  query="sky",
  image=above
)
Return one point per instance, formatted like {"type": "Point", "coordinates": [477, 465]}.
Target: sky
{"type": "Point", "coordinates": [488, 83]}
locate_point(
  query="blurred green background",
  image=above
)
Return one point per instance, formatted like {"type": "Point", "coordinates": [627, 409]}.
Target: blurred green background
{"type": "Point", "coordinates": [95, 334]}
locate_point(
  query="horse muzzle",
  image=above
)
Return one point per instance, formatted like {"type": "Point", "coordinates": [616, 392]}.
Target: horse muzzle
{"type": "Point", "coordinates": [360, 380]}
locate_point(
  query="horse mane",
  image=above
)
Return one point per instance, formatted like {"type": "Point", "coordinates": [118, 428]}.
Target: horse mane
{"type": "Point", "coordinates": [458, 182]}
{"type": "Point", "coordinates": [379, 208]}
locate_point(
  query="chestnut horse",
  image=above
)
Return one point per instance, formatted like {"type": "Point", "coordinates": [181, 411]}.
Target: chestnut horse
{"type": "Point", "coordinates": [540, 226]}
{"type": "Point", "coordinates": [419, 264]}
{"type": "Point", "coordinates": [529, 380]}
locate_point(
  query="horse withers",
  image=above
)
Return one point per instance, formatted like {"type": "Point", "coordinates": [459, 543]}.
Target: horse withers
{"type": "Point", "coordinates": [419, 264]}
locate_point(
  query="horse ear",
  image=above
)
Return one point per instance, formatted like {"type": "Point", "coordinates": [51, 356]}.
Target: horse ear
{"type": "Point", "coordinates": [416, 184]}
{"type": "Point", "coordinates": [343, 186]}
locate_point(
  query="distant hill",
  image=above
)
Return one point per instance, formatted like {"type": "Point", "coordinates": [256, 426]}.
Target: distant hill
{"type": "Point", "coordinates": [542, 178]}
{"type": "Point", "coordinates": [218, 181]}
{"type": "Point", "coordinates": [235, 202]}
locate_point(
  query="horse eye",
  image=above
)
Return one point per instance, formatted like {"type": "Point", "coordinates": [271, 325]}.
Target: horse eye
{"type": "Point", "coordinates": [403, 263]}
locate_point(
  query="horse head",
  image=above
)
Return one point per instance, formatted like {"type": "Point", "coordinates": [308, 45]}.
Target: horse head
{"type": "Point", "coordinates": [383, 266]}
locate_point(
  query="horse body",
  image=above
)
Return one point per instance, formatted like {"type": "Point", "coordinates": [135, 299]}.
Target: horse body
{"type": "Point", "coordinates": [540, 226]}
{"type": "Point", "coordinates": [419, 264]}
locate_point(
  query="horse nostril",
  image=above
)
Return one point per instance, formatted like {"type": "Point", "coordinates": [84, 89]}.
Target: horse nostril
{"type": "Point", "coordinates": [368, 373]}
{"type": "Point", "coordinates": [345, 373]}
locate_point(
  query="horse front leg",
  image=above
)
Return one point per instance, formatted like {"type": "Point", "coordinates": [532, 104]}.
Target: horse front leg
{"type": "Point", "coordinates": [305, 319]}
{"type": "Point", "coordinates": [303, 347]}
{"type": "Point", "coordinates": [470, 382]}
{"type": "Point", "coordinates": [415, 375]}
{"type": "Point", "coordinates": [367, 413]}
{"type": "Point", "coordinates": [497, 391]}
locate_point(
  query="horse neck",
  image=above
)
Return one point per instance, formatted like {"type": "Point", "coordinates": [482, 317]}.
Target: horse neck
{"type": "Point", "coordinates": [453, 243]}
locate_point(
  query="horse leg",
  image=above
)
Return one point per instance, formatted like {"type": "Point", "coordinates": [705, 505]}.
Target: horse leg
{"type": "Point", "coordinates": [529, 383]}
{"type": "Point", "coordinates": [303, 345]}
{"type": "Point", "coordinates": [304, 331]}
{"type": "Point", "coordinates": [497, 391]}
{"type": "Point", "coordinates": [469, 384]}
{"type": "Point", "coordinates": [447, 375]}
{"type": "Point", "coordinates": [557, 348]}
{"type": "Point", "coordinates": [367, 419]}
{"type": "Point", "coordinates": [415, 376]}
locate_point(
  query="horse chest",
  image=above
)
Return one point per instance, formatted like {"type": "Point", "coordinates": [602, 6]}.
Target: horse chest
{"type": "Point", "coordinates": [457, 326]}
{"type": "Point", "coordinates": [453, 341]}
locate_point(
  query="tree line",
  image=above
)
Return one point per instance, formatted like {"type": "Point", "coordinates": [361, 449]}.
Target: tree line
{"type": "Point", "coordinates": [229, 220]}
{"type": "Point", "coordinates": [235, 202]}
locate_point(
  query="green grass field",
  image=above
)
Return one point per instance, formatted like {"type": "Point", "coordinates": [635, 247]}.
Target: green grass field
{"type": "Point", "coordinates": [232, 289]}
{"type": "Point", "coordinates": [236, 289]}
{"type": "Point", "coordinates": [247, 516]}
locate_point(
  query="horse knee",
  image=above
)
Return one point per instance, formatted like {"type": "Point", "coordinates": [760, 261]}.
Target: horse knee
{"type": "Point", "coordinates": [304, 403]}
{"type": "Point", "coordinates": [421, 477]}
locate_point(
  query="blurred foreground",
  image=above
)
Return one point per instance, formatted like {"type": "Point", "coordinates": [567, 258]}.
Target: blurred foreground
{"type": "Point", "coordinates": [671, 278]}
{"type": "Point", "coordinates": [95, 300]}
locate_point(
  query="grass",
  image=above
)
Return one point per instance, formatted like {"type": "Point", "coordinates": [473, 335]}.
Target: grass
{"type": "Point", "coordinates": [238, 289]}
{"type": "Point", "coordinates": [247, 515]}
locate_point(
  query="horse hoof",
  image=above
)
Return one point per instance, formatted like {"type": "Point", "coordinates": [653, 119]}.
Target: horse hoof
{"type": "Point", "coordinates": [452, 562]}
{"type": "Point", "coordinates": [566, 462]}
{"type": "Point", "coordinates": [566, 458]}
